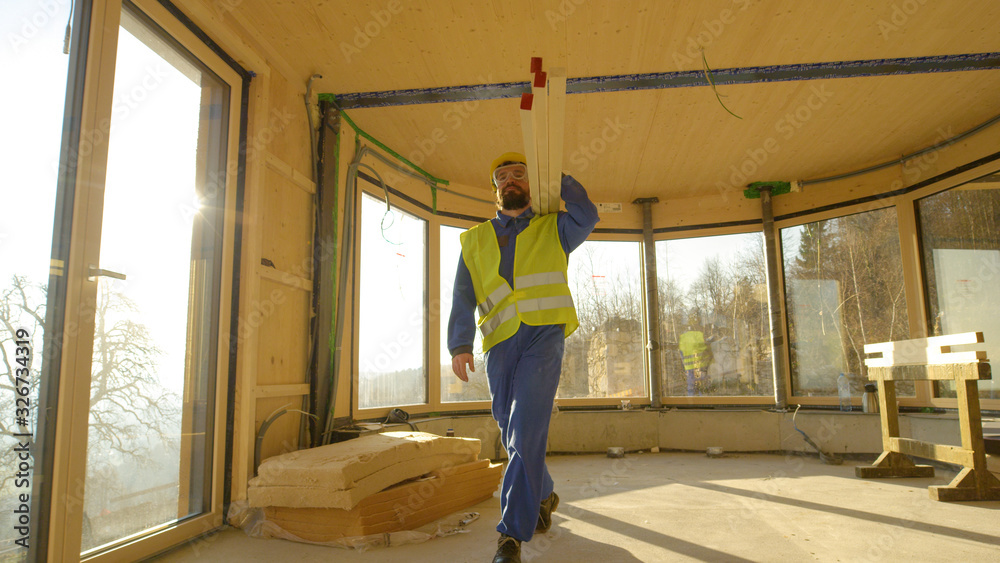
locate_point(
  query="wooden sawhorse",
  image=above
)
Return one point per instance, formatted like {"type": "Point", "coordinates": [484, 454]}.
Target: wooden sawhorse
{"type": "Point", "coordinates": [932, 359]}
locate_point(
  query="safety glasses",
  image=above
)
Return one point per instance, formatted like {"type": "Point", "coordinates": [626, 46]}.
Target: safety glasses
{"type": "Point", "coordinates": [510, 172]}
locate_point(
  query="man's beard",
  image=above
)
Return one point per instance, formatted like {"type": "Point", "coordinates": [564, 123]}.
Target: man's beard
{"type": "Point", "coordinates": [512, 199]}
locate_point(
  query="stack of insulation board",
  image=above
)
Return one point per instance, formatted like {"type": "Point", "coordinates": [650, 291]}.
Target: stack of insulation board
{"type": "Point", "coordinates": [405, 506]}
{"type": "Point", "coordinates": [372, 484]}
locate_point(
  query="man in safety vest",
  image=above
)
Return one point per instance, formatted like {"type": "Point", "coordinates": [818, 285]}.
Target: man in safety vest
{"type": "Point", "coordinates": [696, 355]}
{"type": "Point", "coordinates": [513, 271]}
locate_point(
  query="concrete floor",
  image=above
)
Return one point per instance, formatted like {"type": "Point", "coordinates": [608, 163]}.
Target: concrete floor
{"type": "Point", "coordinates": [688, 507]}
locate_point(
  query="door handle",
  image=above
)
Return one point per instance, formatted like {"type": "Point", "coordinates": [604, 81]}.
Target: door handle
{"type": "Point", "coordinates": [94, 272]}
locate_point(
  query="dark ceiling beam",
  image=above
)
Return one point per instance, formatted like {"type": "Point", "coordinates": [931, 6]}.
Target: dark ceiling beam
{"type": "Point", "coordinates": [681, 79]}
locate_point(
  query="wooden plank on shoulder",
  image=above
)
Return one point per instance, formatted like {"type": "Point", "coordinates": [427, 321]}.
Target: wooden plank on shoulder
{"type": "Point", "coordinates": [540, 119]}
{"type": "Point", "coordinates": [530, 151]}
{"type": "Point", "coordinates": [557, 120]}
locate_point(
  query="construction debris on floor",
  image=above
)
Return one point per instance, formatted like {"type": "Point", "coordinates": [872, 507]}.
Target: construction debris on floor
{"type": "Point", "coordinates": [373, 484]}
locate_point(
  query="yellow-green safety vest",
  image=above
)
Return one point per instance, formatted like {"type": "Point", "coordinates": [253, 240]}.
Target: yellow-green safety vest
{"type": "Point", "coordinates": [541, 293]}
{"type": "Point", "coordinates": [694, 351]}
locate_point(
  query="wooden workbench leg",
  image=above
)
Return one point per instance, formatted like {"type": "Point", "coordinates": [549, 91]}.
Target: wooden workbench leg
{"type": "Point", "coordinates": [976, 482]}
{"type": "Point", "coordinates": [891, 463]}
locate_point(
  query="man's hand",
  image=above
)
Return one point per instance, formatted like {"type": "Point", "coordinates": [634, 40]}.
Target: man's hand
{"type": "Point", "coordinates": [458, 364]}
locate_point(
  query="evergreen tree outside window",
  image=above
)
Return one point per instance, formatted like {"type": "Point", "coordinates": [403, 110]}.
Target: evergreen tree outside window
{"type": "Point", "coordinates": [843, 289]}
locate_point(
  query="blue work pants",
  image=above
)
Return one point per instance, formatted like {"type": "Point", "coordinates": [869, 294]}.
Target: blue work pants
{"type": "Point", "coordinates": [523, 373]}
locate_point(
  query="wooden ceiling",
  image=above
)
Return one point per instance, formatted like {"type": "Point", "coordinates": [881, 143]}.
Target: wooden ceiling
{"type": "Point", "coordinates": [673, 143]}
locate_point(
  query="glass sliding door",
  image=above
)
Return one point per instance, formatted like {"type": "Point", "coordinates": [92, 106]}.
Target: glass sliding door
{"type": "Point", "coordinates": [32, 54]}
{"type": "Point", "coordinates": [156, 317]}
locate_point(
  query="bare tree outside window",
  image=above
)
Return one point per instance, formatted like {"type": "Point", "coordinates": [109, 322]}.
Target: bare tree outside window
{"type": "Point", "coordinates": [604, 358]}
{"type": "Point", "coordinates": [134, 420]}
{"type": "Point", "coordinates": [714, 327]}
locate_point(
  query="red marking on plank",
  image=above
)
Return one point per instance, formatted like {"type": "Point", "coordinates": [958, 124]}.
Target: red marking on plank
{"type": "Point", "coordinates": [526, 100]}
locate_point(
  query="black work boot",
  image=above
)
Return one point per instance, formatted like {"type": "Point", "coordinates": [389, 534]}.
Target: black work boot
{"type": "Point", "coordinates": [549, 506]}
{"type": "Point", "coordinates": [508, 550]}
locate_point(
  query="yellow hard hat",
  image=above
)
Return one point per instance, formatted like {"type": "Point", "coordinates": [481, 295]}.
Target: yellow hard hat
{"type": "Point", "coordinates": [505, 157]}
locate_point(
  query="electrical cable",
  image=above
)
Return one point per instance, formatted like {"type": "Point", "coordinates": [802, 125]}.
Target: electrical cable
{"type": "Point", "coordinates": [422, 176]}
{"type": "Point", "coordinates": [826, 458]}
{"type": "Point", "coordinates": [307, 97]}
{"type": "Point", "coordinates": [382, 146]}
{"type": "Point", "coordinates": [906, 157]}
{"type": "Point", "coordinates": [708, 77]}
{"type": "Point", "coordinates": [263, 430]}
{"type": "Point", "coordinates": [388, 210]}
{"type": "Point", "coordinates": [312, 127]}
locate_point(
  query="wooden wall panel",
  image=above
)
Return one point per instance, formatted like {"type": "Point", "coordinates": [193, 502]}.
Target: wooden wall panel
{"type": "Point", "coordinates": [283, 333]}
{"type": "Point", "coordinates": [289, 123]}
{"type": "Point", "coordinates": [286, 225]}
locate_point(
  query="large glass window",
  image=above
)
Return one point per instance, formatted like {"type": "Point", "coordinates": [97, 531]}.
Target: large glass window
{"type": "Point", "coordinates": [453, 388]}
{"type": "Point", "coordinates": [154, 362]}
{"type": "Point", "coordinates": [29, 153]}
{"type": "Point", "coordinates": [843, 289]}
{"type": "Point", "coordinates": [605, 356]}
{"type": "Point", "coordinates": [392, 366]}
{"type": "Point", "coordinates": [960, 236]}
{"type": "Point", "coordinates": [714, 326]}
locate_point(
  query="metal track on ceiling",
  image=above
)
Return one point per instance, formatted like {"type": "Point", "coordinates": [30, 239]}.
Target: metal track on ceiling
{"type": "Point", "coordinates": [681, 79]}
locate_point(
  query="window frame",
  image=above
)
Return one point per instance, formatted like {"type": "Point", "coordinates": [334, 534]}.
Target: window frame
{"type": "Point", "coordinates": [731, 400]}
{"type": "Point", "coordinates": [410, 209]}
{"type": "Point", "coordinates": [913, 275]}
{"type": "Point", "coordinates": [932, 397]}
{"type": "Point", "coordinates": [61, 534]}
{"type": "Point", "coordinates": [903, 203]}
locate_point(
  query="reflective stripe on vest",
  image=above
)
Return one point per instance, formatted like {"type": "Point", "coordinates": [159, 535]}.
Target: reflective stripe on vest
{"type": "Point", "coordinates": [544, 278]}
{"type": "Point", "coordinates": [492, 299]}
{"type": "Point", "coordinates": [539, 296]}
{"type": "Point", "coordinates": [507, 313]}
{"type": "Point", "coordinates": [543, 303]}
